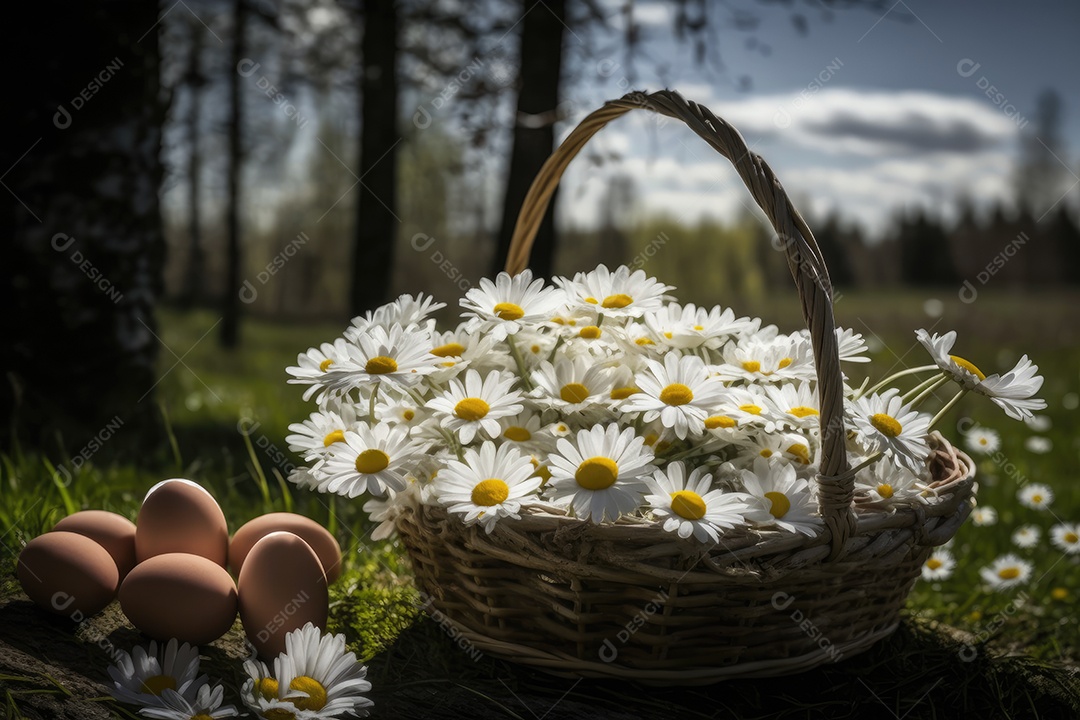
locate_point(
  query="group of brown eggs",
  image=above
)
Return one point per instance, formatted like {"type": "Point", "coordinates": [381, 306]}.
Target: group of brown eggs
{"type": "Point", "coordinates": [170, 569]}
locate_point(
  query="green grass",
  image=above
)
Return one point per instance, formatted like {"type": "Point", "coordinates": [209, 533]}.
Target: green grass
{"type": "Point", "coordinates": [1020, 647]}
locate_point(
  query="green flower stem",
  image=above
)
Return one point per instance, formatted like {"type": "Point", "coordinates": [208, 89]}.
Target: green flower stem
{"type": "Point", "coordinates": [902, 373]}
{"type": "Point", "coordinates": [526, 381]}
{"type": "Point", "coordinates": [930, 386]}
{"type": "Point", "coordinates": [866, 463]}
{"type": "Point", "coordinates": [948, 406]}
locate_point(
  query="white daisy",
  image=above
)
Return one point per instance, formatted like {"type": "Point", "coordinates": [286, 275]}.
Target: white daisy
{"type": "Point", "coordinates": [886, 425]}
{"type": "Point", "coordinates": [383, 511]}
{"type": "Point", "coordinates": [680, 392]}
{"type": "Point", "coordinates": [884, 481]}
{"type": "Point", "coordinates": [313, 437]}
{"type": "Point", "coordinates": [206, 706]}
{"type": "Point", "coordinates": [601, 475]}
{"type": "Point", "coordinates": [405, 311]}
{"type": "Point", "coordinates": [141, 677]}
{"type": "Point", "coordinates": [939, 566]}
{"type": "Point", "coordinates": [782, 359]}
{"type": "Point", "coordinates": [850, 344]}
{"type": "Point", "coordinates": [1026, 536]}
{"type": "Point", "coordinates": [477, 405]}
{"type": "Point", "coordinates": [1005, 572]}
{"type": "Point", "coordinates": [571, 384]}
{"type": "Point", "coordinates": [503, 307]}
{"type": "Point", "coordinates": [372, 459]}
{"type": "Point", "coordinates": [398, 356]}
{"type": "Point", "coordinates": [1013, 392]}
{"type": "Point", "coordinates": [689, 506]}
{"type": "Point", "coordinates": [1038, 445]}
{"type": "Point", "coordinates": [311, 366]}
{"type": "Point", "coordinates": [488, 485]}
{"type": "Point", "coordinates": [982, 440]}
{"type": "Point", "coordinates": [691, 326]}
{"type": "Point", "coordinates": [614, 294]}
{"type": "Point", "coordinates": [1039, 423]}
{"type": "Point", "coordinates": [788, 499]}
{"type": "Point", "coordinates": [459, 349]}
{"type": "Point", "coordinates": [797, 404]}
{"type": "Point", "coordinates": [314, 679]}
{"type": "Point", "coordinates": [748, 406]}
{"type": "Point", "coordinates": [1035, 496]}
{"type": "Point", "coordinates": [1066, 536]}
{"type": "Point", "coordinates": [788, 447]}
{"type": "Point", "coordinates": [525, 432]}
{"type": "Point", "coordinates": [984, 516]}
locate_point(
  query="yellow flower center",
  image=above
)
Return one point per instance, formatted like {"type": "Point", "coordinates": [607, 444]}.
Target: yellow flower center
{"type": "Point", "coordinates": [780, 504]}
{"type": "Point", "coordinates": [267, 687]}
{"type": "Point", "coordinates": [933, 563]}
{"type": "Point", "coordinates": [408, 415]}
{"type": "Point", "coordinates": [1071, 538]}
{"type": "Point", "coordinates": [1036, 498]}
{"type": "Point", "coordinates": [668, 334]}
{"type": "Point", "coordinates": [983, 441]}
{"type": "Point", "coordinates": [535, 349]}
{"type": "Point", "coordinates": [597, 473]}
{"type": "Point", "coordinates": [751, 366]}
{"type": "Point", "coordinates": [316, 693]}
{"type": "Point", "coordinates": [509, 311]}
{"type": "Point", "coordinates": [886, 424]}
{"type": "Point", "coordinates": [800, 451]}
{"type": "Point", "coordinates": [449, 350]}
{"type": "Point", "coordinates": [765, 453]}
{"type": "Point", "coordinates": [801, 411]}
{"type": "Point", "coordinates": [591, 300]}
{"type": "Point", "coordinates": [517, 433]}
{"type": "Point", "coordinates": [699, 328]}
{"type": "Point", "coordinates": [719, 421]}
{"type": "Point", "coordinates": [784, 363]}
{"type": "Point", "coordinates": [1059, 593]}
{"type": "Point", "coordinates": [752, 409]}
{"type": "Point", "coordinates": [687, 504]}
{"type": "Point", "coordinates": [471, 409]}
{"type": "Point", "coordinates": [490, 492]}
{"type": "Point", "coordinates": [333, 437]}
{"type": "Point", "coordinates": [618, 300]}
{"type": "Point", "coordinates": [380, 365]}
{"type": "Point", "coordinates": [202, 716]}
{"type": "Point", "coordinates": [644, 341]}
{"type": "Point", "coordinates": [885, 490]}
{"type": "Point", "coordinates": [621, 393]}
{"type": "Point", "coordinates": [574, 393]}
{"type": "Point", "coordinates": [372, 461]}
{"type": "Point", "coordinates": [1009, 573]}
{"type": "Point", "coordinates": [325, 364]}
{"type": "Point", "coordinates": [541, 471]}
{"type": "Point", "coordinates": [158, 684]}
{"type": "Point", "coordinates": [968, 365]}
{"type": "Point", "coordinates": [676, 394]}
{"type": "Point", "coordinates": [589, 332]}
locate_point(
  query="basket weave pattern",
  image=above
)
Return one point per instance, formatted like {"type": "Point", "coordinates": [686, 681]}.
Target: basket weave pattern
{"type": "Point", "coordinates": [630, 600]}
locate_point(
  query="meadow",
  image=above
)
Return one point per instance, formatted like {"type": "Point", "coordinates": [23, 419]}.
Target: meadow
{"type": "Point", "coordinates": [963, 646]}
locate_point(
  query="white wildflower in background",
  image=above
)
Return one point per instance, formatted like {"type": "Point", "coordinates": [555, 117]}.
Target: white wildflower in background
{"type": "Point", "coordinates": [939, 566]}
{"type": "Point", "coordinates": [1066, 536]}
{"type": "Point", "coordinates": [1039, 423]}
{"type": "Point", "coordinates": [1035, 496]}
{"type": "Point", "coordinates": [1026, 536]}
{"type": "Point", "coordinates": [1006, 572]}
{"type": "Point", "coordinates": [1038, 445]}
{"type": "Point", "coordinates": [984, 516]}
{"type": "Point", "coordinates": [982, 441]}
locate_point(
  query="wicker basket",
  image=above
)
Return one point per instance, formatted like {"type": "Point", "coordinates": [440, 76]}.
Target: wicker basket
{"type": "Point", "coordinates": [629, 600]}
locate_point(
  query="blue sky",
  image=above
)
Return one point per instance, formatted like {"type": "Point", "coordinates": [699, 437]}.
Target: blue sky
{"type": "Point", "coordinates": [865, 113]}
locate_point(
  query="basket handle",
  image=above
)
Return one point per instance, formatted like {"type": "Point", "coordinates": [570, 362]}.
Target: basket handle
{"type": "Point", "coordinates": [835, 483]}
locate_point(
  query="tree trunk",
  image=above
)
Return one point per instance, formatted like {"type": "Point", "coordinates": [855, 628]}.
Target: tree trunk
{"type": "Point", "coordinates": [84, 243]}
{"type": "Point", "coordinates": [376, 221]}
{"type": "Point", "coordinates": [195, 272]}
{"type": "Point", "coordinates": [230, 308]}
{"type": "Point", "coordinates": [542, 32]}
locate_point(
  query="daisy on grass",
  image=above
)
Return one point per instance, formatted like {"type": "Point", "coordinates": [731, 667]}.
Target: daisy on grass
{"type": "Point", "coordinates": [888, 426]}
{"type": "Point", "coordinates": [1005, 572]}
{"type": "Point", "coordinates": [982, 440]}
{"type": "Point", "coordinates": [1066, 536]}
{"type": "Point", "coordinates": [372, 459]}
{"type": "Point", "coordinates": [939, 566]}
{"type": "Point", "coordinates": [206, 706]}
{"type": "Point", "coordinates": [502, 307]}
{"type": "Point", "coordinates": [1013, 392]}
{"type": "Point", "coordinates": [311, 366]}
{"type": "Point", "coordinates": [614, 294]}
{"type": "Point", "coordinates": [601, 475]}
{"type": "Point", "coordinates": [788, 499]}
{"type": "Point", "coordinates": [680, 392]}
{"type": "Point", "coordinates": [1038, 445]}
{"type": "Point", "coordinates": [984, 516]}
{"type": "Point", "coordinates": [1026, 536]}
{"type": "Point", "coordinates": [883, 482]}
{"type": "Point", "coordinates": [571, 385]}
{"type": "Point", "coordinates": [313, 437]}
{"type": "Point", "coordinates": [1035, 496]}
{"type": "Point", "coordinates": [141, 677]}
{"type": "Point", "coordinates": [1039, 423]}
{"type": "Point", "coordinates": [689, 506]}
{"type": "Point", "coordinates": [314, 679]}
{"type": "Point", "coordinates": [488, 485]}
{"type": "Point", "coordinates": [477, 405]}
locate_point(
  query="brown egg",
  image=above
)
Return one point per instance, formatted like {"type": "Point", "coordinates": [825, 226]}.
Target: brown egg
{"type": "Point", "coordinates": [311, 532]}
{"type": "Point", "coordinates": [68, 574]}
{"type": "Point", "coordinates": [282, 587]}
{"type": "Point", "coordinates": [179, 516]}
{"type": "Point", "coordinates": [113, 532]}
{"type": "Point", "coordinates": [182, 596]}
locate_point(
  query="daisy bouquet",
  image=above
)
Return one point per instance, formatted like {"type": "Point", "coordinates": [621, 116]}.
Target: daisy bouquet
{"type": "Point", "coordinates": [602, 398]}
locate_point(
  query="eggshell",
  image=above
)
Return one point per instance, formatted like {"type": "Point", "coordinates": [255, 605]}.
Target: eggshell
{"type": "Point", "coordinates": [179, 516]}
{"type": "Point", "coordinates": [311, 532]}
{"type": "Point", "coordinates": [113, 532]}
{"type": "Point", "coordinates": [282, 587]}
{"type": "Point", "coordinates": [182, 596]}
{"type": "Point", "coordinates": [68, 574]}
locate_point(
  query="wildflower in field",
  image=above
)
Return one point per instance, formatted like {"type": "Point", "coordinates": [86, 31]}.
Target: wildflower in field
{"type": "Point", "coordinates": [314, 679]}
{"type": "Point", "coordinates": [939, 566]}
{"type": "Point", "coordinates": [488, 485]}
{"type": "Point", "coordinates": [206, 705]}
{"type": "Point", "coordinates": [140, 678]}
{"type": "Point", "coordinates": [1066, 536]}
{"type": "Point", "coordinates": [477, 405]}
{"type": "Point", "coordinates": [888, 426]}
{"type": "Point", "coordinates": [984, 516]}
{"type": "Point", "coordinates": [679, 391]}
{"type": "Point", "coordinates": [1038, 445]}
{"type": "Point", "coordinates": [689, 506]}
{"type": "Point", "coordinates": [788, 499]}
{"type": "Point", "coordinates": [503, 307]}
{"type": "Point", "coordinates": [1005, 572]}
{"type": "Point", "coordinates": [1026, 536]}
{"type": "Point", "coordinates": [1035, 496]}
{"type": "Point", "coordinates": [1039, 423]}
{"type": "Point", "coordinates": [982, 440]}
